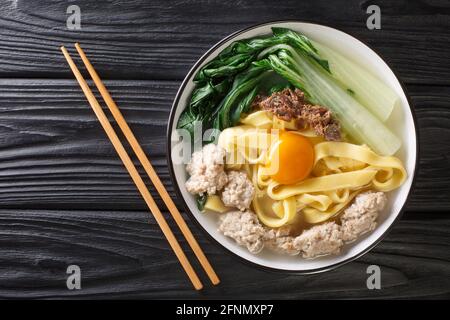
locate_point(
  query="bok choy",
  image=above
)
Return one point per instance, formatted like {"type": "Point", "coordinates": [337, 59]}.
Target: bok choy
{"type": "Point", "coordinates": [321, 88]}
{"type": "Point", "coordinates": [371, 92]}
{"type": "Point", "coordinates": [227, 85]}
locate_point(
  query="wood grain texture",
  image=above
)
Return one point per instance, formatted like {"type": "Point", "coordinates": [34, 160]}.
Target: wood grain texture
{"type": "Point", "coordinates": [162, 39]}
{"type": "Point", "coordinates": [122, 254]}
{"type": "Point", "coordinates": [55, 154]}
{"type": "Point", "coordinates": [65, 197]}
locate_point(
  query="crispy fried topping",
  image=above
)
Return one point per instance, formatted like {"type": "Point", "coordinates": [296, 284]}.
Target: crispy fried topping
{"type": "Point", "coordinates": [291, 104]}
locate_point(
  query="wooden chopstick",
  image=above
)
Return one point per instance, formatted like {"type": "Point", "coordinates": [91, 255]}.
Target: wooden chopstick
{"type": "Point", "coordinates": [134, 173]}
{"type": "Point", "coordinates": [149, 168]}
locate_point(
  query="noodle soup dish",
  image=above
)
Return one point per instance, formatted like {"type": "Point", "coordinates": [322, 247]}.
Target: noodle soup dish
{"type": "Point", "coordinates": [293, 145]}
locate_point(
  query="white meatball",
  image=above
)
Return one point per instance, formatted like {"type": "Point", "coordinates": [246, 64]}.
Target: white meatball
{"type": "Point", "coordinates": [361, 216]}
{"type": "Point", "coordinates": [207, 170]}
{"type": "Point", "coordinates": [320, 240]}
{"type": "Point", "coordinates": [239, 191]}
{"type": "Point", "coordinates": [280, 240]}
{"type": "Point", "coordinates": [244, 228]}
{"type": "Point", "coordinates": [327, 238]}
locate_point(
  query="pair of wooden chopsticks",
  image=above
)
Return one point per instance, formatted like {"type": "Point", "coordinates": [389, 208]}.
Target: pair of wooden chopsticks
{"type": "Point", "coordinates": [148, 169]}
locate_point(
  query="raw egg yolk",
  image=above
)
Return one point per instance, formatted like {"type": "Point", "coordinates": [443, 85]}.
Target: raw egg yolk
{"type": "Point", "coordinates": [295, 158]}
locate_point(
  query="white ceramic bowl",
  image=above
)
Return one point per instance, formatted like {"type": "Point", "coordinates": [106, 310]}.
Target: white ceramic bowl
{"type": "Point", "coordinates": [402, 122]}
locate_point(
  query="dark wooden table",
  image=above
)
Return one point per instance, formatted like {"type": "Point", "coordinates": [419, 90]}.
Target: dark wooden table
{"type": "Point", "coordinates": [65, 197]}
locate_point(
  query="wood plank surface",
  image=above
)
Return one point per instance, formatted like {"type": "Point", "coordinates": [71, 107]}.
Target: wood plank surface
{"type": "Point", "coordinates": [65, 198]}
{"type": "Point", "coordinates": [55, 154]}
{"type": "Point", "coordinates": [162, 39]}
{"type": "Point", "coordinates": [121, 254]}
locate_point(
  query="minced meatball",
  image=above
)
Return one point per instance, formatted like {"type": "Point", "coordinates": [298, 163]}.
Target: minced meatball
{"type": "Point", "coordinates": [361, 216]}
{"type": "Point", "coordinates": [320, 240]}
{"type": "Point", "coordinates": [291, 104]}
{"type": "Point", "coordinates": [328, 238]}
{"type": "Point", "coordinates": [207, 170]}
{"type": "Point", "coordinates": [239, 191]}
{"type": "Point", "coordinates": [244, 228]}
{"type": "Point", "coordinates": [280, 240]}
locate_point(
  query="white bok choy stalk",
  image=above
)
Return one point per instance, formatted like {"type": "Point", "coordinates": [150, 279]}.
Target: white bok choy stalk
{"type": "Point", "coordinates": [321, 88]}
{"type": "Point", "coordinates": [373, 93]}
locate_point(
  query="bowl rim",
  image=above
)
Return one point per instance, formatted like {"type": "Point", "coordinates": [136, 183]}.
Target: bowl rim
{"type": "Point", "coordinates": [209, 235]}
